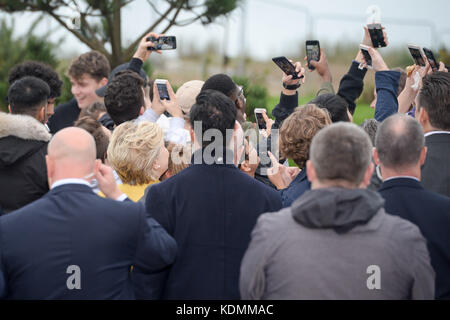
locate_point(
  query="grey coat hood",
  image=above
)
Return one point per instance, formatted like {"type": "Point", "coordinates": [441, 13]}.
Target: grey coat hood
{"type": "Point", "coordinates": [338, 208]}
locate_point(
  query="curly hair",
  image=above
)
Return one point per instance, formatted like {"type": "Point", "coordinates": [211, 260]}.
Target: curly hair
{"type": "Point", "coordinates": [132, 150]}
{"type": "Point", "coordinates": [92, 63]}
{"type": "Point", "coordinates": [95, 129]}
{"type": "Point", "coordinates": [38, 70]}
{"type": "Point", "coordinates": [298, 130]}
{"type": "Point", "coordinates": [179, 158]}
{"type": "Point", "coordinates": [124, 97]}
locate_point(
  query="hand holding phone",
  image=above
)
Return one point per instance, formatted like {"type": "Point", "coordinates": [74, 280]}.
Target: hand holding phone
{"type": "Point", "coordinates": [417, 55]}
{"type": "Point", "coordinates": [164, 99]}
{"type": "Point", "coordinates": [367, 57]}
{"type": "Point", "coordinates": [288, 68]}
{"type": "Point", "coordinates": [376, 35]}
{"type": "Point", "coordinates": [162, 43]}
{"type": "Point", "coordinates": [312, 52]}
{"type": "Point", "coordinates": [431, 59]}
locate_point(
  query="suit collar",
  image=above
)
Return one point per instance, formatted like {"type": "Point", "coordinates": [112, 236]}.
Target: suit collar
{"type": "Point", "coordinates": [72, 187]}
{"type": "Point", "coordinates": [217, 156]}
{"type": "Point", "coordinates": [401, 182]}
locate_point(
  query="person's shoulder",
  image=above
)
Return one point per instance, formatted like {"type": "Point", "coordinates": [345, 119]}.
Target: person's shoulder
{"type": "Point", "coordinates": [71, 104]}
{"type": "Point", "coordinates": [400, 230]}
{"type": "Point", "coordinates": [277, 220]}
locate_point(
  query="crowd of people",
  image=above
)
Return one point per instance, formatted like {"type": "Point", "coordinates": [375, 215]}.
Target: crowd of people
{"type": "Point", "coordinates": [120, 193]}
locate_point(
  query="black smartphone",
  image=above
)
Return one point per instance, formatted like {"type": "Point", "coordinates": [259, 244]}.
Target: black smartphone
{"type": "Point", "coordinates": [163, 43]}
{"type": "Point", "coordinates": [366, 54]}
{"type": "Point", "coordinates": [417, 55]}
{"type": "Point", "coordinates": [312, 52]}
{"type": "Point", "coordinates": [376, 35]}
{"type": "Point", "coordinates": [259, 118]}
{"type": "Point", "coordinates": [431, 59]}
{"type": "Point", "coordinates": [162, 89]}
{"type": "Point", "coordinates": [286, 66]}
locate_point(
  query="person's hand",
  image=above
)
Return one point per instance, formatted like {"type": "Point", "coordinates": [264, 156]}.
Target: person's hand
{"type": "Point", "coordinates": [171, 106]}
{"type": "Point", "coordinates": [142, 52]}
{"type": "Point", "coordinates": [269, 123]}
{"type": "Point", "coordinates": [106, 181]}
{"type": "Point", "coordinates": [321, 66]}
{"type": "Point", "coordinates": [278, 174]}
{"type": "Point", "coordinates": [378, 63]}
{"type": "Point", "coordinates": [442, 67]}
{"type": "Point", "coordinates": [367, 40]}
{"type": "Point", "coordinates": [300, 72]}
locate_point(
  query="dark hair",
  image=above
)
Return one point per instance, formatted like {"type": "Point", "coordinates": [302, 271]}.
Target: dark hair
{"type": "Point", "coordinates": [399, 141]}
{"type": "Point", "coordinates": [370, 126]}
{"type": "Point", "coordinates": [92, 63]}
{"type": "Point", "coordinates": [124, 96]}
{"type": "Point", "coordinates": [434, 97]}
{"type": "Point", "coordinates": [336, 106]}
{"type": "Point", "coordinates": [94, 110]}
{"type": "Point", "coordinates": [28, 95]}
{"type": "Point", "coordinates": [215, 111]}
{"type": "Point", "coordinates": [38, 70]}
{"type": "Point", "coordinates": [223, 83]}
{"type": "Point", "coordinates": [95, 129]}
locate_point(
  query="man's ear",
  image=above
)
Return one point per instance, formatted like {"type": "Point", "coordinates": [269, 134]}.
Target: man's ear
{"type": "Point", "coordinates": [423, 156]}
{"type": "Point", "coordinates": [103, 82]}
{"type": "Point", "coordinates": [375, 156]}
{"type": "Point", "coordinates": [367, 175]}
{"type": "Point", "coordinates": [41, 114]}
{"type": "Point", "coordinates": [311, 171]}
{"type": "Point", "coordinates": [50, 169]}
{"type": "Point", "coordinates": [97, 165]}
{"type": "Point", "coordinates": [141, 111]}
{"type": "Point", "coordinates": [423, 117]}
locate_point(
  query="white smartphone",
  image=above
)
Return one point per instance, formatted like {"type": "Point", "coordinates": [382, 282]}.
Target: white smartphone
{"type": "Point", "coordinates": [367, 57]}
{"type": "Point", "coordinates": [417, 55]}
{"type": "Point", "coordinates": [260, 119]}
{"type": "Point", "coordinates": [161, 84]}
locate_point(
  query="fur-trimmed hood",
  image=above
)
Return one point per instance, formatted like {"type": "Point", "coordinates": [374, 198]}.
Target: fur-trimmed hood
{"type": "Point", "coordinates": [23, 127]}
{"type": "Point", "coordinates": [21, 137]}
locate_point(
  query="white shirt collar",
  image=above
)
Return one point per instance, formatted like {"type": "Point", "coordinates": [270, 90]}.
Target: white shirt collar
{"type": "Point", "coordinates": [69, 181]}
{"type": "Point", "coordinates": [436, 132]}
{"type": "Point", "coordinates": [401, 177]}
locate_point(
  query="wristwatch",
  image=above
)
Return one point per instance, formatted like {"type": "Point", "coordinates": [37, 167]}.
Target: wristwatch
{"type": "Point", "coordinates": [292, 86]}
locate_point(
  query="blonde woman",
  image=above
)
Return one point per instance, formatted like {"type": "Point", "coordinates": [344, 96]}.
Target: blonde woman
{"type": "Point", "coordinates": [137, 152]}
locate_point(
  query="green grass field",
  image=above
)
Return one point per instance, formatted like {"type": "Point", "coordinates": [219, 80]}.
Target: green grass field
{"type": "Point", "coordinates": [363, 111]}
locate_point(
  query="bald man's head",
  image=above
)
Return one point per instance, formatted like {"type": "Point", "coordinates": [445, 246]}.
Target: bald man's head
{"type": "Point", "coordinates": [72, 147]}
{"type": "Point", "coordinates": [399, 141]}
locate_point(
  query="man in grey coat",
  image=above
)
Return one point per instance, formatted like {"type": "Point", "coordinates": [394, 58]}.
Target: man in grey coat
{"type": "Point", "coordinates": [336, 241]}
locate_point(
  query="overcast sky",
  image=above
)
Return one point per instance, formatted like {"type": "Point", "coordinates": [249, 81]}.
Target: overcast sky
{"type": "Point", "coordinates": [274, 27]}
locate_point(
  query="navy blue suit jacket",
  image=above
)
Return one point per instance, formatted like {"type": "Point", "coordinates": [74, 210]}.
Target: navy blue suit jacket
{"type": "Point", "coordinates": [431, 213]}
{"type": "Point", "coordinates": [210, 210]}
{"type": "Point", "coordinates": [69, 226]}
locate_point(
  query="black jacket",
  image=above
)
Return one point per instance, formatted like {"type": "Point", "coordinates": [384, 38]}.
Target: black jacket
{"type": "Point", "coordinates": [210, 210]}
{"type": "Point", "coordinates": [430, 211]}
{"type": "Point", "coordinates": [436, 170]}
{"type": "Point", "coordinates": [352, 85]}
{"type": "Point", "coordinates": [72, 226]}
{"type": "Point", "coordinates": [65, 115]}
{"type": "Point", "coordinates": [23, 172]}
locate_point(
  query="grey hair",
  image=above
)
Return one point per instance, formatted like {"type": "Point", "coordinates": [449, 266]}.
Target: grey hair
{"type": "Point", "coordinates": [399, 141]}
{"type": "Point", "coordinates": [370, 126]}
{"type": "Point", "coordinates": [341, 151]}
